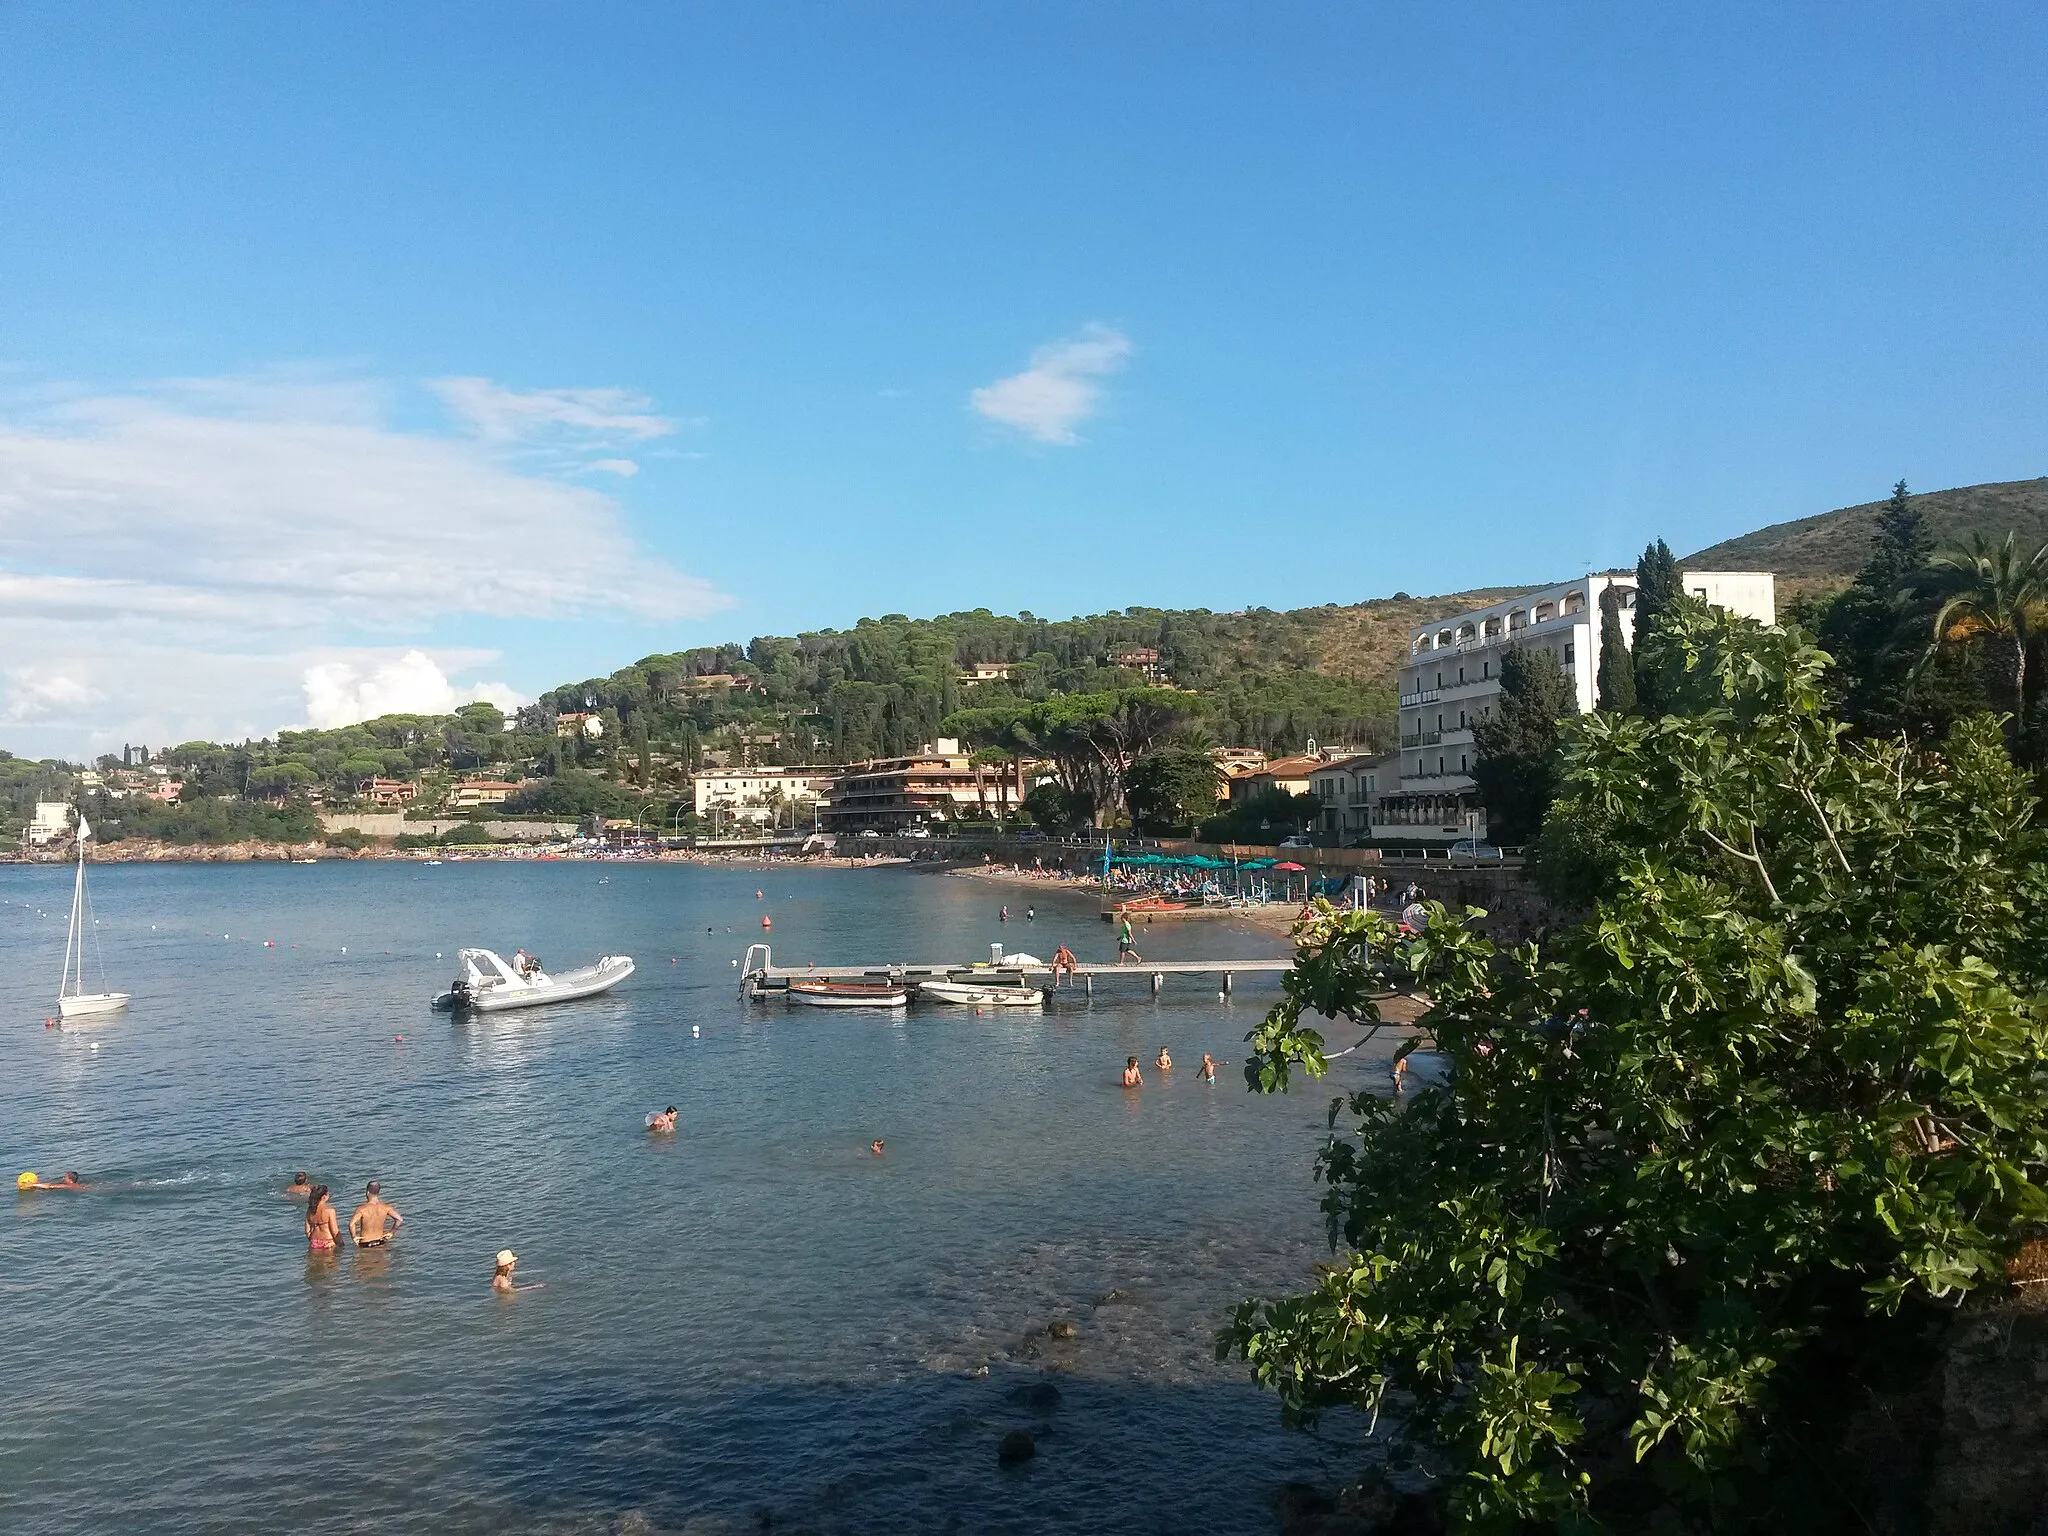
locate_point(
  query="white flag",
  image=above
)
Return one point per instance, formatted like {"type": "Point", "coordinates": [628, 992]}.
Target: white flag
{"type": "Point", "coordinates": [84, 827]}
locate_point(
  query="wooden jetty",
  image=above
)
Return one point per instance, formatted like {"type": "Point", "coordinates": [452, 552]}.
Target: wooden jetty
{"type": "Point", "coordinates": [761, 977]}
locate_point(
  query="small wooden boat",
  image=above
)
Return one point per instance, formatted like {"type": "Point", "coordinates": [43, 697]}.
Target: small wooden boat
{"type": "Point", "coordinates": [849, 994]}
{"type": "Point", "coordinates": [981, 994]}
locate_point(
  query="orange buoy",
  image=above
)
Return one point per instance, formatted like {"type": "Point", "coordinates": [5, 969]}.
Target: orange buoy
{"type": "Point", "coordinates": [765, 921]}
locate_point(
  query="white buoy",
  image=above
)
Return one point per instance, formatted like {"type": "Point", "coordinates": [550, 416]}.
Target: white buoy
{"type": "Point", "coordinates": [694, 1031]}
{"type": "Point", "coordinates": [95, 1045]}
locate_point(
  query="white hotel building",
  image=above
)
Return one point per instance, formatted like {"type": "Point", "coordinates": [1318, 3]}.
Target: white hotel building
{"type": "Point", "coordinates": [1452, 680]}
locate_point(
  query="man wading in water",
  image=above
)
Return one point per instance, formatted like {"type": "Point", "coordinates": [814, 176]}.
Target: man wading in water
{"type": "Point", "coordinates": [367, 1225]}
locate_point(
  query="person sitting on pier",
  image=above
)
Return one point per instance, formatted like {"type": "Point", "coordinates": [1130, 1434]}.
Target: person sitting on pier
{"type": "Point", "coordinates": [1133, 1078]}
{"type": "Point", "coordinates": [1063, 959]}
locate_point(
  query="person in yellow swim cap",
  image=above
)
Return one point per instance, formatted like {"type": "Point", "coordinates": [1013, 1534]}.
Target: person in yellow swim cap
{"type": "Point", "coordinates": [27, 1181]}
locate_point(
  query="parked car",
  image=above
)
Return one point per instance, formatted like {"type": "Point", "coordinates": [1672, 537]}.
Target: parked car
{"type": "Point", "coordinates": [1470, 851]}
{"type": "Point", "coordinates": [1299, 840]}
{"type": "Point", "coordinates": [1030, 835]}
{"type": "Point", "coordinates": [915, 832]}
{"type": "Point", "coordinates": [871, 832]}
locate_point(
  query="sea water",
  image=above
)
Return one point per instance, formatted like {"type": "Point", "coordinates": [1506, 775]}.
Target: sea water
{"type": "Point", "coordinates": [752, 1324]}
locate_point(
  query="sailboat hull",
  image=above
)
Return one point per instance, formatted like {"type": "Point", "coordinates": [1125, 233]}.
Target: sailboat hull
{"type": "Point", "coordinates": [81, 1004]}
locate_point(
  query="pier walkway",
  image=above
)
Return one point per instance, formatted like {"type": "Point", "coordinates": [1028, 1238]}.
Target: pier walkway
{"type": "Point", "coordinates": [761, 976]}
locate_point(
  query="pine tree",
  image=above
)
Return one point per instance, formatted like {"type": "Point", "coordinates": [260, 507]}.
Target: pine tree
{"type": "Point", "coordinates": [1902, 545]}
{"type": "Point", "coordinates": [1617, 666]}
{"type": "Point", "coordinates": [1658, 590]}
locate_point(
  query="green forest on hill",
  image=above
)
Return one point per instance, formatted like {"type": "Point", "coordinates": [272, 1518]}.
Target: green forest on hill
{"type": "Point", "coordinates": [1261, 678]}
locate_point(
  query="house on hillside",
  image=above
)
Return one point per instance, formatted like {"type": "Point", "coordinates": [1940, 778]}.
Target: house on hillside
{"type": "Point", "coordinates": [388, 792]}
{"type": "Point", "coordinates": [1138, 658]}
{"type": "Point", "coordinates": [579, 723]}
{"type": "Point", "coordinates": [474, 792]}
{"type": "Point", "coordinates": [987, 671]}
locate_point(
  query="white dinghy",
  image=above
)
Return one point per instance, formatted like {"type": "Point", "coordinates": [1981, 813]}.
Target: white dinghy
{"type": "Point", "coordinates": [73, 1001]}
{"type": "Point", "coordinates": [486, 983]}
{"type": "Point", "coordinates": [982, 994]}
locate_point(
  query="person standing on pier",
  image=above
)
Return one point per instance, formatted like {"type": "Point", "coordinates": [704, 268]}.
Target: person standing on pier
{"type": "Point", "coordinates": [1126, 952]}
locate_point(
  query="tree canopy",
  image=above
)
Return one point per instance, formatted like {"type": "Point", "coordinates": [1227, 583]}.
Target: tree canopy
{"type": "Point", "coordinates": [1691, 1173]}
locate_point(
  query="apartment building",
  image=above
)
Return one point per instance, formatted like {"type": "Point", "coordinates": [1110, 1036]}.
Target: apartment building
{"type": "Point", "coordinates": [938, 782]}
{"type": "Point", "coordinates": [1348, 787]}
{"type": "Point", "coordinates": [760, 795]}
{"type": "Point", "coordinates": [1452, 680]}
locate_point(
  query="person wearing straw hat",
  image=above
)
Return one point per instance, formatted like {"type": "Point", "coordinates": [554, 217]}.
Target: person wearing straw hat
{"type": "Point", "coordinates": [501, 1282]}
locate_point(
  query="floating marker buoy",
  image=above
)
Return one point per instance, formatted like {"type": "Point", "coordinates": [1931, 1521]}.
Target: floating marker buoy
{"type": "Point", "coordinates": [95, 1045]}
{"type": "Point", "coordinates": [766, 921]}
{"type": "Point", "coordinates": [694, 1031]}
{"type": "Point", "coordinates": [267, 944]}
{"type": "Point", "coordinates": [735, 962]}
{"type": "Point", "coordinates": [49, 1023]}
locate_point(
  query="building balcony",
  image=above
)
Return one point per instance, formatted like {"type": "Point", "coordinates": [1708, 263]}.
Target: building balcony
{"type": "Point", "coordinates": [1420, 696]}
{"type": "Point", "coordinates": [1422, 739]}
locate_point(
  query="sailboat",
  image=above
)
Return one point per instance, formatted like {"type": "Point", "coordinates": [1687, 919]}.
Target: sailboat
{"type": "Point", "coordinates": [73, 1001]}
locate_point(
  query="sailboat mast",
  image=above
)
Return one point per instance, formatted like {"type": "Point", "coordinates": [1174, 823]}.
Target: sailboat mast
{"type": "Point", "coordinates": [72, 936]}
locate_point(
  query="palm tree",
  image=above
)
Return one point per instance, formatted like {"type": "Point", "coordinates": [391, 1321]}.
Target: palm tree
{"type": "Point", "coordinates": [1998, 599]}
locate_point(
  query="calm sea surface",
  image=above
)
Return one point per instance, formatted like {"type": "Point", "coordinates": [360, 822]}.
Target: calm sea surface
{"type": "Point", "coordinates": [749, 1325]}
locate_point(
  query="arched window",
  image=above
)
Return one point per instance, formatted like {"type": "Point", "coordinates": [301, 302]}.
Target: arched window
{"type": "Point", "coordinates": [1545, 611]}
{"type": "Point", "coordinates": [1518, 618]}
{"type": "Point", "coordinates": [1443, 637]}
{"type": "Point", "coordinates": [1575, 602]}
{"type": "Point", "coordinates": [1492, 627]}
{"type": "Point", "coordinates": [1465, 631]}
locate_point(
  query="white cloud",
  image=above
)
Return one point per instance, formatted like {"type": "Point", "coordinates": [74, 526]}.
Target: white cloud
{"type": "Point", "coordinates": [515, 415]}
{"type": "Point", "coordinates": [184, 553]}
{"type": "Point", "coordinates": [344, 692]}
{"type": "Point", "coordinates": [1060, 389]}
{"type": "Point", "coordinates": [625, 469]}
{"type": "Point", "coordinates": [31, 696]}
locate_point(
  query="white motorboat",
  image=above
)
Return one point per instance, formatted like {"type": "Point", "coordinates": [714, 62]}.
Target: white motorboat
{"type": "Point", "coordinates": [73, 1001]}
{"type": "Point", "coordinates": [849, 994]}
{"type": "Point", "coordinates": [487, 983]}
{"type": "Point", "coordinates": [982, 994]}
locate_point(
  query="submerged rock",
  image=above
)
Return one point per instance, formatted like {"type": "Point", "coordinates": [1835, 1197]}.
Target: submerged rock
{"type": "Point", "coordinates": [1062, 1329]}
{"type": "Point", "coordinates": [1017, 1446]}
{"type": "Point", "coordinates": [1113, 1296]}
{"type": "Point", "coordinates": [1038, 1397]}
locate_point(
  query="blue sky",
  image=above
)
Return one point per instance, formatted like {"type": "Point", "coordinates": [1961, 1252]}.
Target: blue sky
{"type": "Point", "coordinates": [537, 338]}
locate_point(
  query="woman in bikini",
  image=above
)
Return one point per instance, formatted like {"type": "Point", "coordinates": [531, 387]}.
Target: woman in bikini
{"type": "Point", "coordinates": [323, 1228]}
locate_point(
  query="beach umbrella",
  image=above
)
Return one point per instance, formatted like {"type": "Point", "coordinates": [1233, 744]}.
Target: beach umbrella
{"type": "Point", "coordinates": [1292, 867]}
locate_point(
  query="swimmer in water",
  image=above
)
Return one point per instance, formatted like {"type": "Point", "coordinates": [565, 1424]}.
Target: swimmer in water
{"type": "Point", "coordinates": [501, 1281]}
{"type": "Point", "coordinates": [36, 1181]}
{"type": "Point", "coordinates": [1400, 1074]}
{"type": "Point", "coordinates": [1133, 1078]}
{"type": "Point", "coordinates": [875, 1147]}
{"type": "Point", "coordinates": [374, 1222]}
{"type": "Point", "coordinates": [323, 1227]}
{"type": "Point", "coordinates": [1208, 1072]}
{"type": "Point", "coordinates": [1031, 914]}
{"type": "Point", "coordinates": [662, 1119]}
{"type": "Point", "coordinates": [298, 1189]}
{"type": "Point", "coordinates": [1163, 1062]}
{"type": "Point", "coordinates": [1004, 915]}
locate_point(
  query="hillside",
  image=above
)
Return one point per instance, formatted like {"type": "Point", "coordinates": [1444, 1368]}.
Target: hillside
{"type": "Point", "coordinates": [1833, 546]}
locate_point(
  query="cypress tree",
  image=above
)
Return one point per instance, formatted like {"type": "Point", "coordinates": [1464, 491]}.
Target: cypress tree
{"type": "Point", "coordinates": [1657, 592]}
{"type": "Point", "coordinates": [1617, 666]}
{"type": "Point", "coordinates": [1517, 769]}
